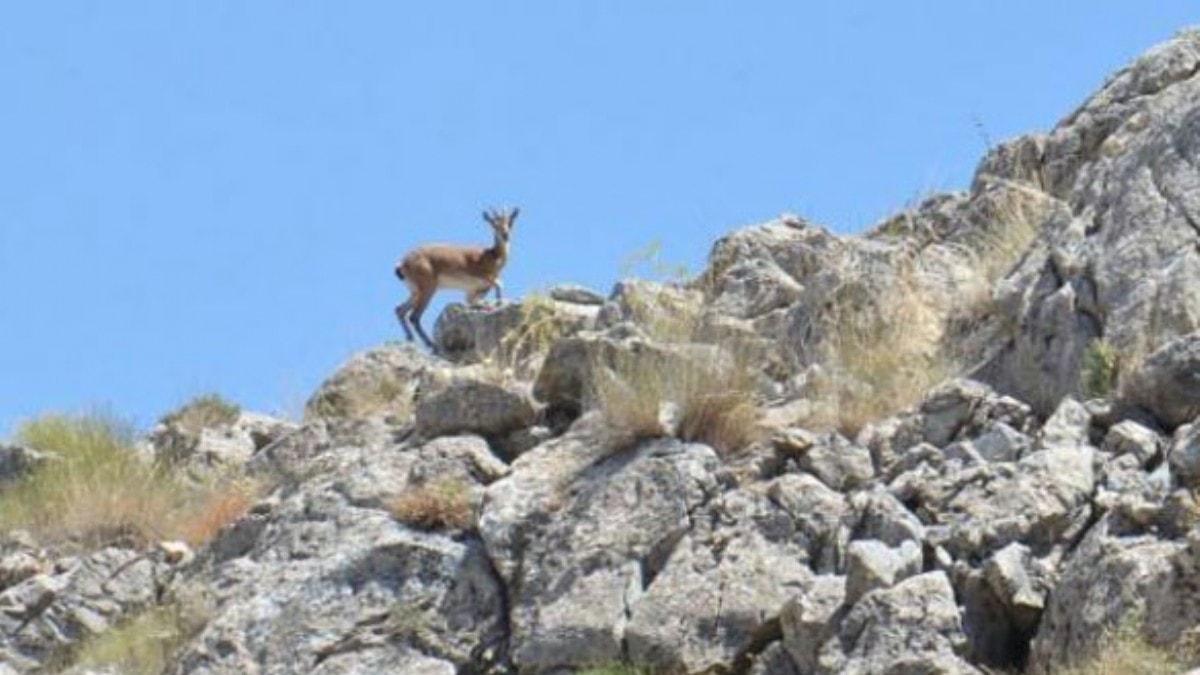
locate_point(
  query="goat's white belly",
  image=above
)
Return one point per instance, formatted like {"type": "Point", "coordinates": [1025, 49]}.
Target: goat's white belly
{"type": "Point", "coordinates": [463, 282]}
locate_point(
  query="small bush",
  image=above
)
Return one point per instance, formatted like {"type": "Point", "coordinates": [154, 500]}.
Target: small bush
{"type": "Point", "coordinates": [202, 412]}
{"type": "Point", "coordinates": [96, 489]}
{"type": "Point", "coordinates": [142, 646]}
{"type": "Point", "coordinates": [440, 505]}
{"type": "Point", "coordinates": [1101, 369]}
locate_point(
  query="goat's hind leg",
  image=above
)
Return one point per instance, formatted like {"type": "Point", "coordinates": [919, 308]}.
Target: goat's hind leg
{"type": "Point", "coordinates": [402, 315]}
{"type": "Point", "coordinates": [415, 317]}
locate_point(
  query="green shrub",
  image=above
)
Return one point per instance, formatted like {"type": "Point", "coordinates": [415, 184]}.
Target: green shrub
{"type": "Point", "coordinates": [1100, 370]}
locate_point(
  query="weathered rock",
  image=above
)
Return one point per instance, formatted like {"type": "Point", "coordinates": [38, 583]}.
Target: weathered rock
{"type": "Point", "coordinates": [1067, 427]}
{"type": "Point", "coordinates": [911, 627]}
{"type": "Point", "coordinates": [809, 619]}
{"type": "Point", "coordinates": [840, 464]}
{"type": "Point", "coordinates": [465, 333]}
{"type": "Point", "coordinates": [720, 591]}
{"type": "Point", "coordinates": [322, 580]}
{"type": "Point", "coordinates": [378, 382]}
{"type": "Point", "coordinates": [1037, 501]}
{"type": "Point", "coordinates": [46, 614]}
{"type": "Point", "coordinates": [577, 549]}
{"type": "Point", "coordinates": [872, 564]}
{"type": "Point", "coordinates": [471, 406]}
{"type": "Point", "coordinates": [1129, 437]}
{"type": "Point", "coordinates": [1185, 455]}
{"type": "Point", "coordinates": [1110, 581]}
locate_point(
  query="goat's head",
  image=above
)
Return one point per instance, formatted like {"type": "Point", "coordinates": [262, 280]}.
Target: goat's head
{"type": "Point", "coordinates": [501, 222]}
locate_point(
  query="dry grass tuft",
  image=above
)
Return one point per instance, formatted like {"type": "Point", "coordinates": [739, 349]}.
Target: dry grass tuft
{"type": "Point", "coordinates": [882, 354]}
{"type": "Point", "coordinates": [216, 510]}
{"type": "Point", "coordinates": [441, 505]}
{"type": "Point", "coordinates": [96, 490]}
{"type": "Point", "coordinates": [541, 326]}
{"type": "Point", "coordinates": [202, 412]}
{"type": "Point", "coordinates": [695, 392]}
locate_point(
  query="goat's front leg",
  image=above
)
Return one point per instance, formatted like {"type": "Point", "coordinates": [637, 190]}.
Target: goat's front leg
{"type": "Point", "coordinates": [499, 288]}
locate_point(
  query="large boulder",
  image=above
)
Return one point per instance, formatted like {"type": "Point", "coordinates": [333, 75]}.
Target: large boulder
{"type": "Point", "coordinates": [578, 534]}
{"type": "Point", "coordinates": [513, 333]}
{"type": "Point", "coordinates": [912, 627]}
{"type": "Point", "coordinates": [1168, 383]}
{"type": "Point", "coordinates": [472, 406]}
{"type": "Point", "coordinates": [1110, 581]}
{"type": "Point", "coordinates": [377, 382]}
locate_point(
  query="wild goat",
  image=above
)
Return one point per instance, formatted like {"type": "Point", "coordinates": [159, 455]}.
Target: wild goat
{"type": "Point", "coordinates": [473, 269]}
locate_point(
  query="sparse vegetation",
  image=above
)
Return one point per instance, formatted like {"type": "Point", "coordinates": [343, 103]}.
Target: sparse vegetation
{"type": "Point", "coordinates": [208, 410]}
{"type": "Point", "coordinates": [439, 505]}
{"type": "Point", "coordinates": [217, 508]}
{"type": "Point", "coordinates": [1100, 370]}
{"type": "Point", "coordinates": [1124, 651]}
{"type": "Point", "coordinates": [882, 353]}
{"type": "Point", "coordinates": [541, 325]}
{"type": "Point", "coordinates": [696, 392]}
{"type": "Point", "coordinates": [385, 393]}
{"type": "Point", "coordinates": [143, 645]}
{"type": "Point", "coordinates": [96, 489]}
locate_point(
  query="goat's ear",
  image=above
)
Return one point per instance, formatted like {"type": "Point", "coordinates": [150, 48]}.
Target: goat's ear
{"type": "Point", "coordinates": [513, 216]}
{"type": "Point", "coordinates": [487, 217]}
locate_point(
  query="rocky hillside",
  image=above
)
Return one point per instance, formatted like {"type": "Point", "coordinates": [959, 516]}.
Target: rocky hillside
{"type": "Point", "coordinates": [965, 441]}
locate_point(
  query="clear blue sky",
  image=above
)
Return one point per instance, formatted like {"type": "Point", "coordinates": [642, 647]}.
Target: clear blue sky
{"type": "Point", "coordinates": [210, 195]}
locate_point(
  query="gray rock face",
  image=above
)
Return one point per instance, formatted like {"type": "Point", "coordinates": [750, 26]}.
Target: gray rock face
{"type": "Point", "coordinates": [579, 556]}
{"type": "Point", "coordinates": [468, 334]}
{"type": "Point", "coordinates": [809, 619]}
{"type": "Point", "coordinates": [720, 591]}
{"type": "Point", "coordinates": [46, 614]}
{"type": "Point", "coordinates": [912, 627]}
{"type": "Point", "coordinates": [1185, 455]}
{"type": "Point", "coordinates": [378, 382]}
{"type": "Point", "coordinates": [320, 578]}
{"type": "Point", "coordinates": [471, 406]}
{"type": "Point", "coordinates": [872, 564]}
{"type": "Point", "coordinates": [1111, 581]}
{"type": "Point", "coordinates": [1168, 383]}
{"type": "Point", "coordinates": [209, 452]}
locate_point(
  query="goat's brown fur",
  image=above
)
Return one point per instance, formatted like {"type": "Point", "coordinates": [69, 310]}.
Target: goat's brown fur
{"type": "Point", "coordinates": [474, 269]}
